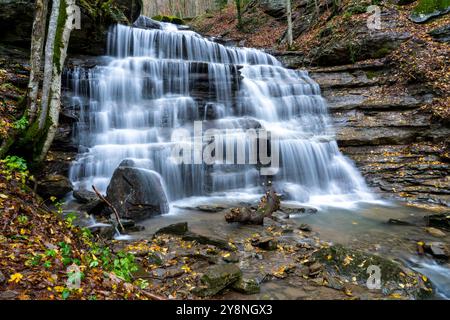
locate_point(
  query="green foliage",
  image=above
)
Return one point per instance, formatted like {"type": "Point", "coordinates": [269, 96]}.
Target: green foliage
{"type": "Point", "coordinates": [21, 124]}
{"type": "Point", "coordinates": [66, 253]}
{"type": "Point", "coordinates": [15, 164]}
{"type": "Point", "coordinates": [124, 266]}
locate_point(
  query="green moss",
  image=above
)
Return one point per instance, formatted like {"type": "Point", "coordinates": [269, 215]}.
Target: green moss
{"type": "Point", "coordinates": [430, 6]}
{"type": "Point", "coordinates": [382, 52]}
{"type": "Point", "coordinates": [62, 18]}
{"type": "Point", "coordinates": [169, 19]}
{"type": "Point", "coordinates": [371, 74]}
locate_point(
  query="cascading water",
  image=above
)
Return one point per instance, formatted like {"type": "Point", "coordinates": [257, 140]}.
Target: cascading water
{"type": "Point", "coordinates": [161, 80]}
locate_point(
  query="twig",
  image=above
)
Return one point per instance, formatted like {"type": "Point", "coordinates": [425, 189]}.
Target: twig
{"type": "Point", "coordinates": [109, 205]}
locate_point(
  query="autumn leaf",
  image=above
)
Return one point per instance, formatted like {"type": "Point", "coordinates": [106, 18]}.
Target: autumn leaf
{"type": "Point", "coordinates": [16, 277]}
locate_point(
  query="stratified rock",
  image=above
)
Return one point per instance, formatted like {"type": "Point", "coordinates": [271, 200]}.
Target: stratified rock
{"type": "Point", "coordinates": [178, 229]}
{"type": "Point", "coordinates": [441, 34]}
{"type": "Point", "coordinates": [218, 277]}
{"type": "Point", "coordinates": [16, 20]}
{"type": "Point", "coordinates": [137, 193]}
{"type": "Point", "coordinates": [54, 186]}
{"type": "Point", "coordinates": [84, 196]}
{"type": "Point", "coordinates": [246, 286]}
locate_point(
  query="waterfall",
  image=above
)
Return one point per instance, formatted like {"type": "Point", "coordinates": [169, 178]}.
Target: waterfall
{"type": "Point", "coordinates": [159, 81]}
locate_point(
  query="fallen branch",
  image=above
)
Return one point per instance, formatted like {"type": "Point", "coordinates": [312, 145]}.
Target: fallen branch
{"type": "Point", "coordinates": [109, 205]}
{"type": "Point", "coordinates": [269, 203]}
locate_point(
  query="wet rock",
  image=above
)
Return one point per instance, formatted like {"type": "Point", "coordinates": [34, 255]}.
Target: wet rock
{"type": "Point", "coordinates": [54, 185]}
{"type": "Point", "coordinates": [265, 243]}
{"type": "Point", "coordinates": [439, 220]}
{"type": "Point", "coordinates": [315, 269]}
{"type": "Point", "coordinates": [352, 265]}
{"type": "Point", "coordinates": [305, 227]}
{"type": "Point", "coordinates": [154, 258]}
{"type": "Point", "coordinates": [437, 249]}
{"type": "Point", "coordinates": [279, 216]}
{"type": "Point", "coordinates": [94, 207]}
{"type": "Point", "coordinates": [399, 222]}
{"type": "Point", "coordinates": [216, 278]}
{"type": "Point", "coordinates": [127, 223]}
{"type": "Point", "coordinates": [219, 243]}
{"type": "Point", "coordinates": [246, 286]}
{"type": "Point", "coordinates": [435, 232]}
{"type": "Point", "coordinates": [231, 257]}
{"type": "Point", "coordinates": [137, 193]}
{"type": "Point", "coordinates": [144, 22]}
{"type": "Point", "coordinates": [441, 34]}
{"type": "Point", "coordinates": [106, 231]}
{"type": "Point", "coordinates": [84, 196]}
{"type": "Point", "coordinates": [178, 229]}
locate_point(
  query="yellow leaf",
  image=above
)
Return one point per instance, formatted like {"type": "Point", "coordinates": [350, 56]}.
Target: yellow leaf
{"type": "Point", "coordinates": [424, 278]}
{"type": "Point", "coordinates": [16, 277]}
{"type": "Point", "coordinates": [348, 292]}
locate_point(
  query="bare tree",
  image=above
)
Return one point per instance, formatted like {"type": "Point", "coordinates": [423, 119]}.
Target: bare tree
{"type": "Point", "coordinates": [44, 116]}
{"type": "Point", "coordinates": [289, 22]}
{"type": "Point", "coordinates": [37, 47]}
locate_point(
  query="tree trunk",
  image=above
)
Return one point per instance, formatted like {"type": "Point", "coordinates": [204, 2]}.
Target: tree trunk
{"type": "Point", "coordinates": [289, 22]}
{"type": "Point", "coordinates": [48, 64]}
{"type": "Point", "coordinates": [63, 29]}
{"type": "Point", "coordinates": [37, 47]}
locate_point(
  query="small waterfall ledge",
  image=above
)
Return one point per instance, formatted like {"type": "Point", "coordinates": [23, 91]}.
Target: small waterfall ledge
{"type": "Point", "coordinates": [157, 81]}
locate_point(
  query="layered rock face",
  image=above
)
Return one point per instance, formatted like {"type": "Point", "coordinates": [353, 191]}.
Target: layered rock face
{"type": "Point", "coordinates": [394, 142]}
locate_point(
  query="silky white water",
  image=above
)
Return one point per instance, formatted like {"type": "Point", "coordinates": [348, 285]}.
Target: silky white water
{"type": "Point", "coordinates": [157, 81]}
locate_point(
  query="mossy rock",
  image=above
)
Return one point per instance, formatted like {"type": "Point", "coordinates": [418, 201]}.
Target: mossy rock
{"type": "Point", "coordinates": [352, 265]}
{"type": "Point", "coordinates": [246, 286]}
{"type": "Point", "coordinates": [216, 278]}
{"type": "Point", "coordinates": [169, 19]}
{"type": "Point", "coordinates": [427, 9]}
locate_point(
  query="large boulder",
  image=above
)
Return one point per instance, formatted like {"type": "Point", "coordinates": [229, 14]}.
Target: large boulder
{"type": "Point", "coordinates": [54, 185]}
{"type": "Point", "coordinates": [137, 193]}
{"type": "Point", "coordinates": [274, 8]}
